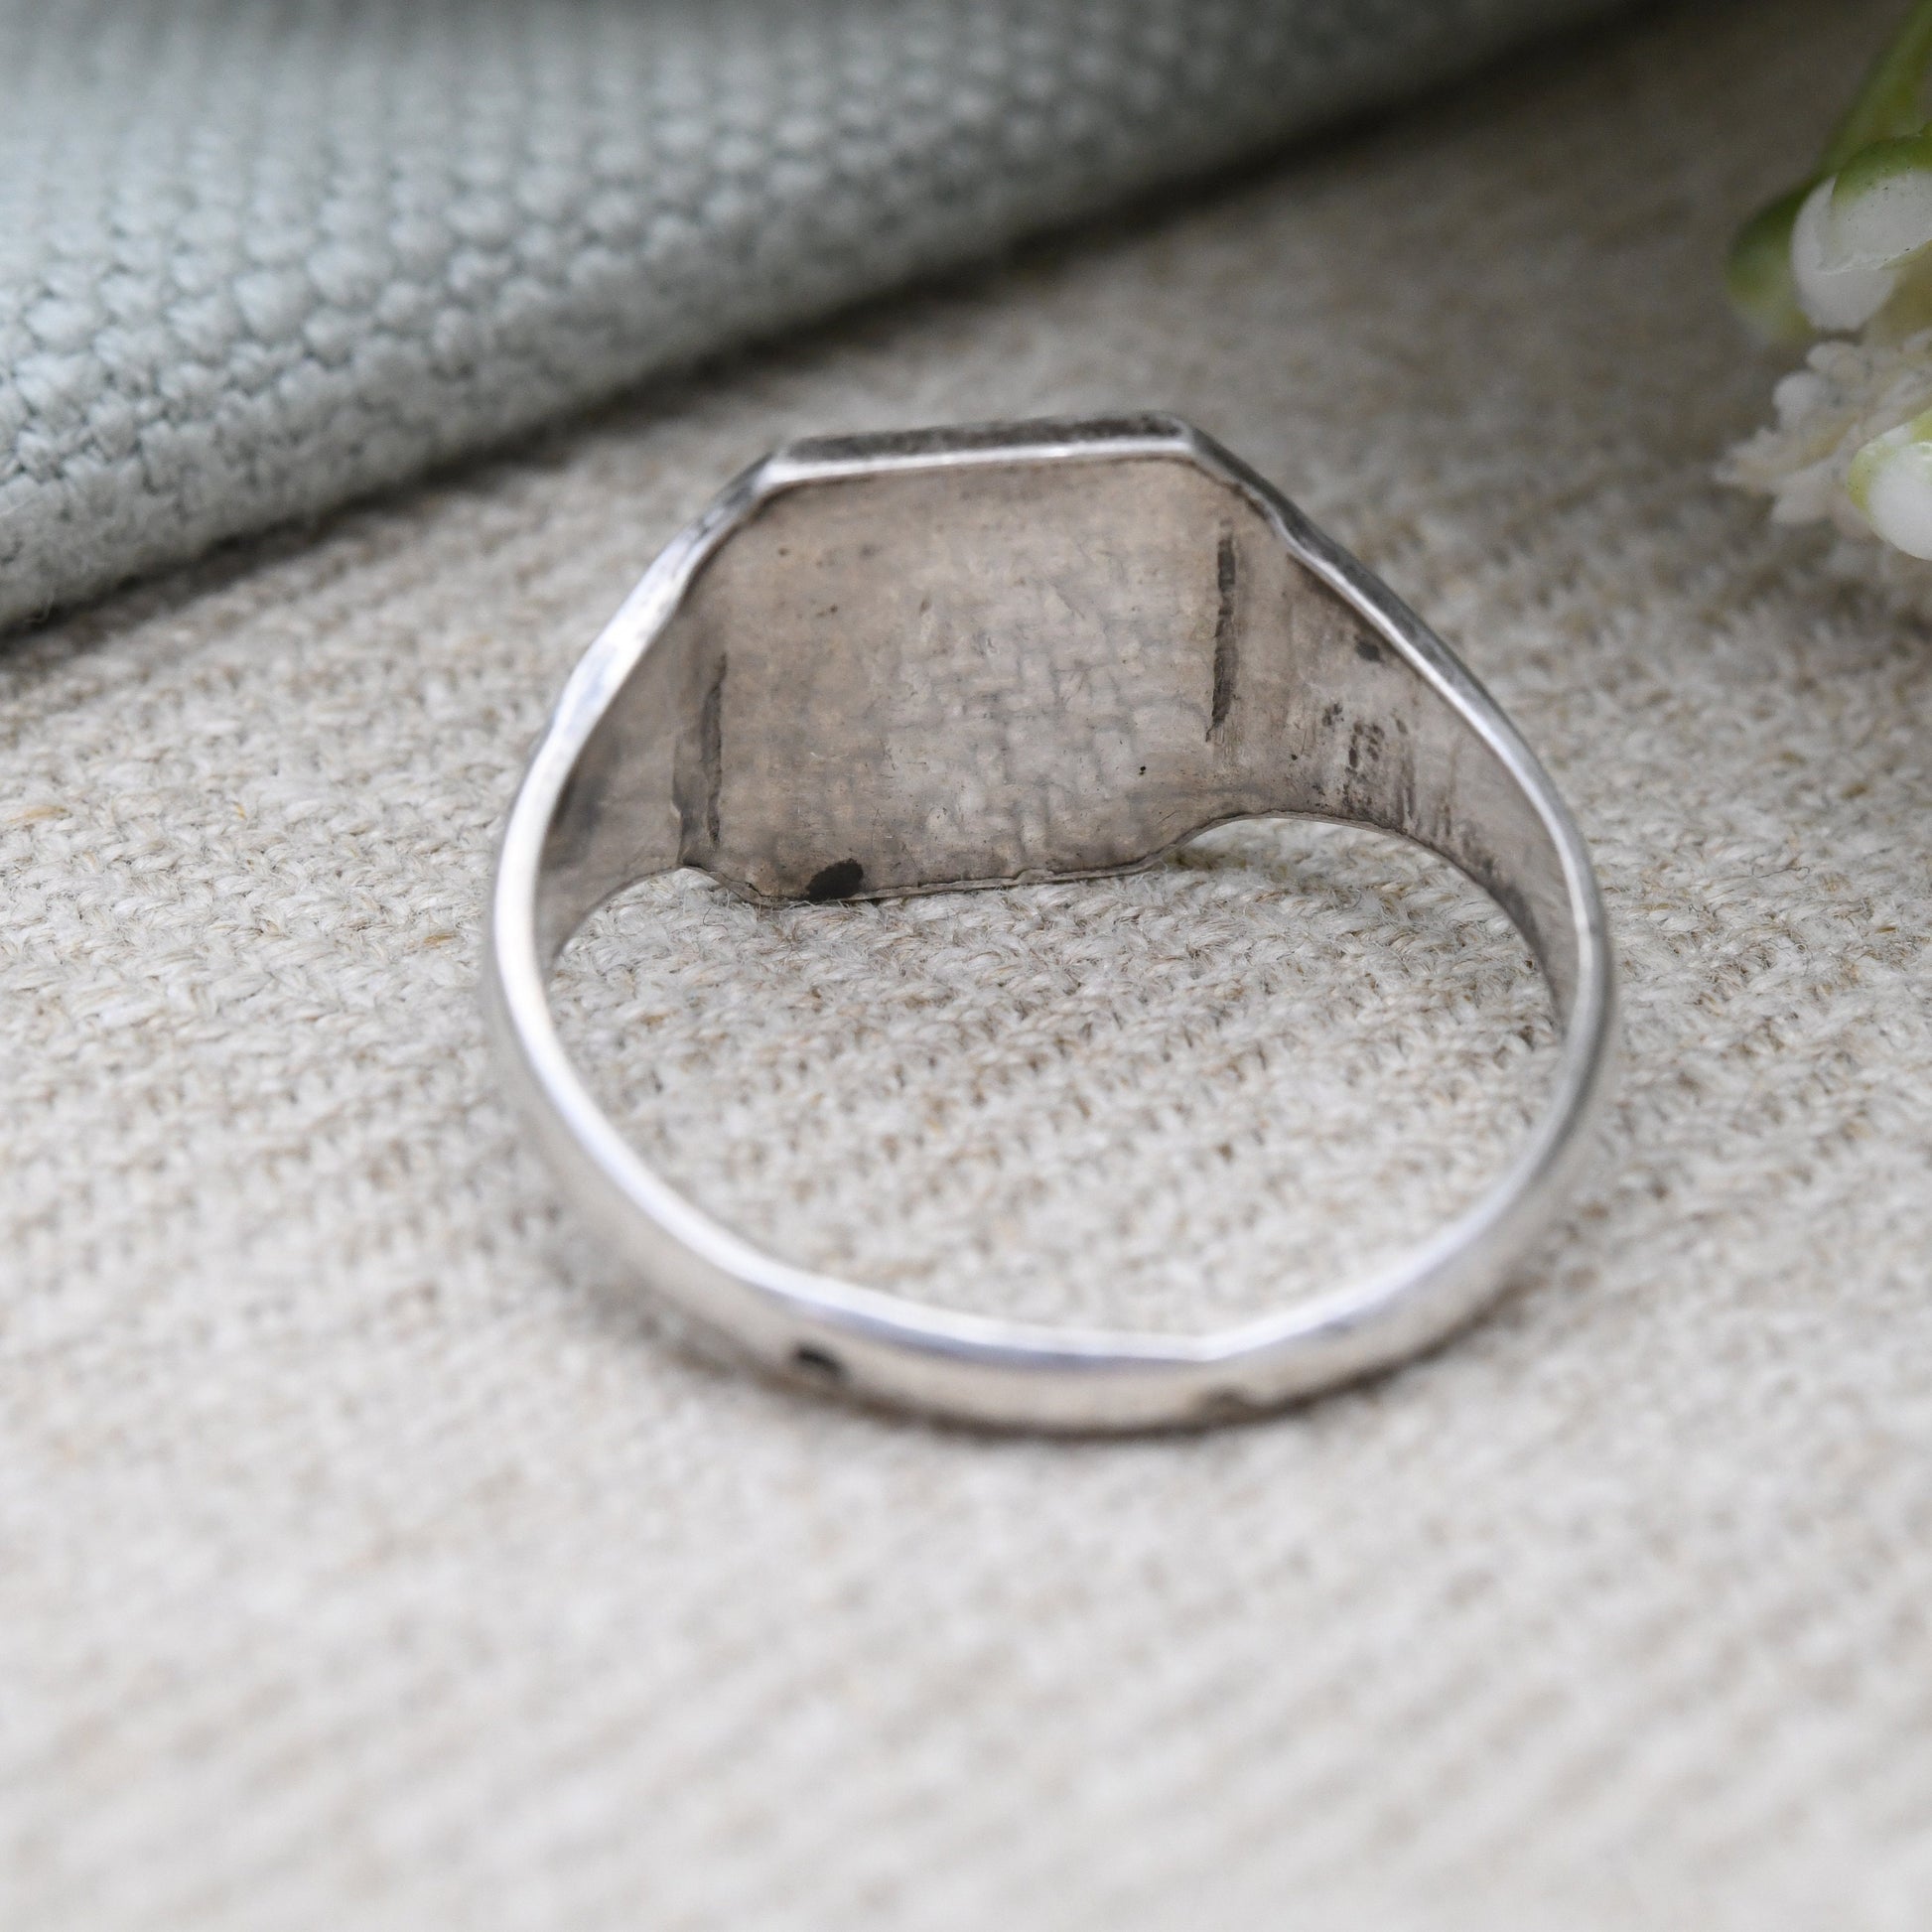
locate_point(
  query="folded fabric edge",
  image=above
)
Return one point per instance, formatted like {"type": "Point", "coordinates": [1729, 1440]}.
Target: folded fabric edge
{"type": "Point", "coordinates": [131, 460]}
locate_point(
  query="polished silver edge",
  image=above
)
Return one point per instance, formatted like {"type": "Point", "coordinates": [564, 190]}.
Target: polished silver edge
{"type": "Point", "coordinates": [878, 1347]}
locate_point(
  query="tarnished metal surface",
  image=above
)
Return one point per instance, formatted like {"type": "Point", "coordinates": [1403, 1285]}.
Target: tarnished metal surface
{"type": "Point", "coordinates": [973, 657]}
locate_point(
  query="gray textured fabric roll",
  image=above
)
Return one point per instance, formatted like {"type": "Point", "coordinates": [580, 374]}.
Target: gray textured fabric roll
{"type": "Point", "coordinates": [257, 258]}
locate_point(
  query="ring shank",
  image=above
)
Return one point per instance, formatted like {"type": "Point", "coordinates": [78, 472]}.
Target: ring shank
{"type": "Point", "coordinates": [919, 663]}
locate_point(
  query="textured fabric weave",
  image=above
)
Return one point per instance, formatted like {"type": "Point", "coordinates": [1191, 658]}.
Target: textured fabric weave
{"type": "Point", "coordinates": [368, 1561]}
{"type": "Point", "coordinates": [257, 256]}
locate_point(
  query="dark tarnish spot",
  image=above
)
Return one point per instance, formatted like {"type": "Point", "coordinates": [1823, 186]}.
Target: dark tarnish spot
{"type": "Point", "coordinates": [1378, 785]}
{"type": "Point", "coordinates": [819, 1363]}
{"type": "Point", "coordinates": [1404, 797]}
{"type": "Point", "coordinates": [1227, 663]}
{"type": "Point", "coordinates": [837, 881]}
{"type": "Point", "coordinates": [711, 748]}
{"type": "Point", "coordinates": [1225, 1406]}
{"type": "Point", "coordinates": [1364, 784]}
{"type": "Point", "coordinates": [1368, 650]}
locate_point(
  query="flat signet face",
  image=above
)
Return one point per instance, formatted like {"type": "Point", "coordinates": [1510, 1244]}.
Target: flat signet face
{"type": "Point", "coordinates": [906, 663]}
{"type": "Point", "coordinates": [995, 672]}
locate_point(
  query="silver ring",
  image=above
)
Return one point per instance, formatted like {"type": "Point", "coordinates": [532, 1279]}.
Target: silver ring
{"type": "Point", "coordinates": [982, 656]}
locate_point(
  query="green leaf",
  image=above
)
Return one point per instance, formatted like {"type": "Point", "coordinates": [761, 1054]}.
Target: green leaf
{"type": "Point", "coordinates": [1888, 104]}
{"type": "Point", "coordinates": [1757, 274]}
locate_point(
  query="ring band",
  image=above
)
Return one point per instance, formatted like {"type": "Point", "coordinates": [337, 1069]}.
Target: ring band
{"type": "Point", "coordinates": [982, 656]}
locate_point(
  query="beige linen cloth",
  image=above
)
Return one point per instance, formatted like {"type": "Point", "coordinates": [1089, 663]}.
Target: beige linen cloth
{"type": "Point", "coordinates": [369, 1558]}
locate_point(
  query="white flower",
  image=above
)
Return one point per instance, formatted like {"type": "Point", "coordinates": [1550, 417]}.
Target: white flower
{"type": "Point", "coordinates": [1849, 249]}
{"type": "Point", "coordinates": [1890, 481]}
{"type": "Point", "coordinates": [1836, 287]}
{"type": "Point", "coordinates": [1852, 447]}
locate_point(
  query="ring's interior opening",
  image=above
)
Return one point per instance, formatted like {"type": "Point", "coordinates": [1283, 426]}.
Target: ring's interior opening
{"type": "Point", "coordinates": [1170, 1101]}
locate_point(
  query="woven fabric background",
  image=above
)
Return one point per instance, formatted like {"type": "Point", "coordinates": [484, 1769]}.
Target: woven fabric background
{"type": "Point", "coordinates": [367, 1558]}
{"type": "Point", "coordinates": [258, 257]}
